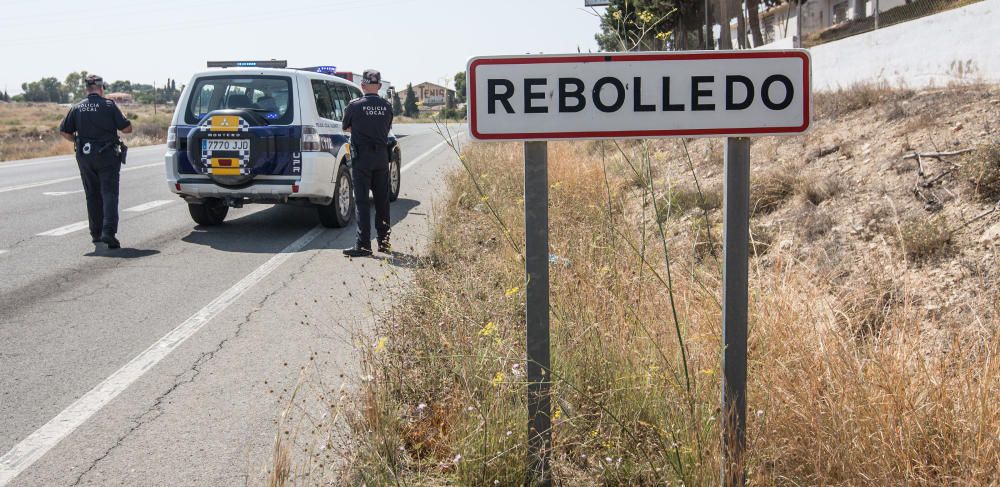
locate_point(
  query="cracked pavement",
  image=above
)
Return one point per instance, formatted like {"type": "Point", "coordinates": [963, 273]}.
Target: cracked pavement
{"type": "Point", "coordinates": [207, 413]}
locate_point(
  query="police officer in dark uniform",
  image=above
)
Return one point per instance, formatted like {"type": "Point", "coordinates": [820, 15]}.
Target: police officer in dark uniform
{"type": "Point", "coordinates": [93, 125]}
{"type": "Point", "coordinates": [369, 119]}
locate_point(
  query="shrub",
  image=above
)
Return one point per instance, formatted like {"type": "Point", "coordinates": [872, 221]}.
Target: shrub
{"type": "Point", "coordinates": [869, 298]}
{"type": "Point", "coordinates": [923, 238]}
{"type": "Point", "coordinates": [819, 189]}
{"type": "Point", "coordinates": [761, 239]}
{"type": "Point", "coordinates": [680, 199]}
{"type": "Point", "coordinates": [982, 168]}
{"type": "Point", "coordinates": [813, 222]}
{"type": "Point", "coordinates": [771, 189]}
{"type": "Point", "coordinates": [856, 97]}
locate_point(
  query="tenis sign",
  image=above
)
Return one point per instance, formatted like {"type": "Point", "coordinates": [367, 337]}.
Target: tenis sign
{"type": "Point", "coordinates": [621, 95]}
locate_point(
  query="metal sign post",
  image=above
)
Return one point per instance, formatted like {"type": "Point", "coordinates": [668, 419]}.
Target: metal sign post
{"type": "Point", "coordinates": [736, 233]}
{"type": "Point", "coordinates": [536, 260]}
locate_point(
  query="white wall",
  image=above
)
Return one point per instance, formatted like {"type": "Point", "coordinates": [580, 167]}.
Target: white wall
{"type": "Point", "coordinates": [953, 46]}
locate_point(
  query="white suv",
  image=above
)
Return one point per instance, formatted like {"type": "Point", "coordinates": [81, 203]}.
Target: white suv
{"type": "Point", "coordinates": [258, 132]}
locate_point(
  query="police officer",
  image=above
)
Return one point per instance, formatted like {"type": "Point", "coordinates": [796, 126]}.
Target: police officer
{"type": "Point", "coordinates": [369, 119]}
{"type": "Point", "coordinates": [93, 125]}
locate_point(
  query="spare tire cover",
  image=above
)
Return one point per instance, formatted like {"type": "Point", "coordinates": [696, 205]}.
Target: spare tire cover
{"type": "Point", "coordinates": [231, 164]}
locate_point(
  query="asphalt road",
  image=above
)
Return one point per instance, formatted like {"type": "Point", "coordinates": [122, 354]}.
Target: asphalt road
{"type": "Point", "coordinates": [166, 362]}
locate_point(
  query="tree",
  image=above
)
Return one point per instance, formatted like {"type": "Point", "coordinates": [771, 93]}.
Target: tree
{"type": "Point", "coordinates": [121, 86]}
{"type": "Point", "coordinates": [44, 90]}
{"type": "Point", "coordinates": [410, 106]}
{"type": "Point", "coordinates": [75, 86]}
{"type": "Point", "coordinates": [753, 17]}
{"type": "Point", "coordinates": [397, 106]}
{"type": "Point", "coordinates": [460, 86]}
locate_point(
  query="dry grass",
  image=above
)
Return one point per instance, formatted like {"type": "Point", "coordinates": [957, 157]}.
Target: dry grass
{"type": "Point", "coordinates": [817, 189]}
{"type": "Point", "coordinates": [924, 238]}
{"type": "Point", "coordinates": [873, 341]}
{"type": "Point", "coordinates": [982, 168]}
{"type": "Point", "coordinates": [841, 391]}
{"type": "Point", "coordinates": [857, 97]}
{"type": "Point", "coordinates": [29, 130]}
{"type": "Point", "coordinates": [772, 188]}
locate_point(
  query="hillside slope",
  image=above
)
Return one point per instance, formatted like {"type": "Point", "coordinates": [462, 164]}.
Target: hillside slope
{"type": "Point", "coordinates": [874, 311]}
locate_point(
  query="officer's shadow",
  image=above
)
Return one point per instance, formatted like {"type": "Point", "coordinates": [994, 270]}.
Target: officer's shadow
{"type": "Point", "coordinates": [271, 229]}
{"type": "Point", "coordinates": [402, 260]}
{"type": "Point", "coordinates": [122, 253]}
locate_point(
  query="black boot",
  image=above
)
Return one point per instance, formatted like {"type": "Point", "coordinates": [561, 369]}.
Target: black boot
{"type": "Point", "coordinates": [112, 242]}
{"type": "Point", "coordinates": [384, 246]}
{"type": "Point", "coordinates": [358, 251]}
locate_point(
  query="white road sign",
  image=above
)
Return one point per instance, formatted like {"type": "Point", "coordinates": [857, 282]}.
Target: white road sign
{"type": "Point", "coordinates": [639, 95]}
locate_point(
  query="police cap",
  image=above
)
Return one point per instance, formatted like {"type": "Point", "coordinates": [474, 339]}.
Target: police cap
{"type": "Point", "coordinates": [94, 80]}
{"type": "Point", "coordinates": [371, 77]}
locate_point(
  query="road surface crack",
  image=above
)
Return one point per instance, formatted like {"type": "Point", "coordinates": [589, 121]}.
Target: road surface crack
{"type": "Point", "coordinates": [155, 410]}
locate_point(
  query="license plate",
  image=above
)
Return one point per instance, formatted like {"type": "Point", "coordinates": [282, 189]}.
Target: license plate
{"type": "Point", "coordinates": [212, 145]}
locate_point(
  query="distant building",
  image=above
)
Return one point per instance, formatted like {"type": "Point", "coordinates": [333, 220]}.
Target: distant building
{"type": "Point", "coordinates": [430, 93]}
{"type": "Point", "coordinates": [121, 98]}
{"type": "Point", "coordinates": [779, 23]}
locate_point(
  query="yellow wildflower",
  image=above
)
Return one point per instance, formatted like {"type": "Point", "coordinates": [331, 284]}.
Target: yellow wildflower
{"type": "Point", "coordinates": [497, 379]}
{"type": "Point", "coordinates": [616, 15]}
{"type": "Point", "coordinates": [646, 17]}
{"type": "Point", "coordinates": [380, 344]}
{"type": "Point", "coordinates": [557, 414]}
{"type": "Point", "coordinates": [662, 35]}
{"type": "Point", "coordinates": [488, 330]}
{"type": "Point", "coordinates": [512, 291]}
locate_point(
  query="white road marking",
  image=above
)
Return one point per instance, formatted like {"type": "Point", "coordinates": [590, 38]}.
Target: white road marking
{"type": "Point", "coordinates": [65, 230]}
{"type": "Point", "coordinates": [72, 178]}
{"type": "Point", "coordinates": [149, 206]}
{"type": "Point", "coordinates": [37, 444]}
{"type": "Point", "coordinates": [425, 154]}
{"type": "Point", "coordinates": [61, 193]}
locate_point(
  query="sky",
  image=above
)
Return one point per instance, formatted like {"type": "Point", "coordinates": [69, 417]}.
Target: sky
{"type": "Point", "coordinates": [148, 41]}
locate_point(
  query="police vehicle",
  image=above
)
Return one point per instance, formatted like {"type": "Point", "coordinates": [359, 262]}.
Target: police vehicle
{"type": "Point", "coordinates": [260, 132]}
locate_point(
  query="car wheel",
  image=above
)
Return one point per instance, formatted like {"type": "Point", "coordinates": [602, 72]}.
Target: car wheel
{"type": "Point", "coordinates": [211, 212]}
{"type": "Point", "coordinates": [340, 211]}
{"type": "Point", "coordinates": [395, 176]}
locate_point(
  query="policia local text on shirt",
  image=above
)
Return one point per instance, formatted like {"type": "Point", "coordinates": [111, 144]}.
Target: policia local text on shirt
{"type": "Point", "coordinates": [93, 125]}
{"type": "Point", "coordinates": [369, 120]}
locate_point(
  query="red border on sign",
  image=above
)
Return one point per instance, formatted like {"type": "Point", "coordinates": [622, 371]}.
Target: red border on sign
{"type": "Point", "coordinates": [601, 58]}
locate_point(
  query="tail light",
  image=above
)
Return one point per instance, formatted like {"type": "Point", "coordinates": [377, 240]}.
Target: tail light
{"type": "Point", "coordinates": [311, 140]}
{"type": "Point", "coordinates": [172, 138]}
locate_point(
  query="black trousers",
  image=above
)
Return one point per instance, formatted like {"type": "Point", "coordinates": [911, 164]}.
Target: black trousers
{"type": "Point", "coordinates": [100, 174]}
{"type": "Point", "coordinates": [371, 176]}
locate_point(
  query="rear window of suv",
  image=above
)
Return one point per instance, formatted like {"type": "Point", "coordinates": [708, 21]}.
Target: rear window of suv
{"type": "Point", "coordinates": [270, 96]}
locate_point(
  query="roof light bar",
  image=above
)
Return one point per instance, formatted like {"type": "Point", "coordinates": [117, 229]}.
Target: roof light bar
{"type": "Point", "coordinates": [274, 63]}
{"type": "Point", "coordinates": [321, 69]}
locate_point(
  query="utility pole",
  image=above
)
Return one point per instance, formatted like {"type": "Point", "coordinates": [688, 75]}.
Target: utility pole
{"type": "Point", "coordinates": [154, 98]}
{"type": "Point", "coordinates": [798, 24]}
{"type": "Point", "coordinates": [708, 28]}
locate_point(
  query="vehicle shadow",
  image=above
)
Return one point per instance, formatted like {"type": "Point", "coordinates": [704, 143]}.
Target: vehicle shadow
{"type": "Point", "coordinates": [270, 230]}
